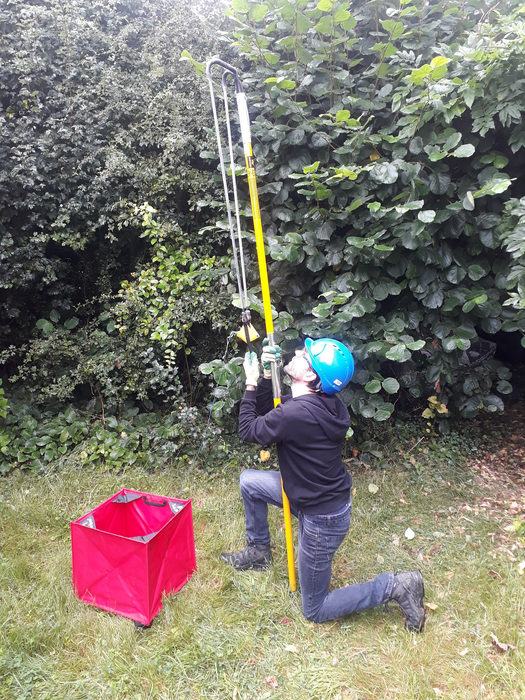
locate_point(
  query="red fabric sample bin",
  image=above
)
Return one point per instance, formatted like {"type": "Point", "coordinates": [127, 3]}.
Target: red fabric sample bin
{"type": "Point", "coordinates": [130, 550]}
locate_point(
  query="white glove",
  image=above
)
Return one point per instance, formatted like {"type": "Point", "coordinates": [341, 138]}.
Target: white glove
{"type": "Point", "coordinates": [251, 368]}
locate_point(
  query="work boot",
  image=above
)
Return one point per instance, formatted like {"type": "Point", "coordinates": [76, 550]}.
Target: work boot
{"type": "Point", "coordinates": [408, 592]}
{"type": "Point", "coordinates": [253, 556]}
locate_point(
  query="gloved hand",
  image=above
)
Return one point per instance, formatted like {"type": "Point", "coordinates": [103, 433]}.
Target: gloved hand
{"type": "Point", "coordinates": [251, 368]}
{"type": "Point", "coordinates": [268, 356]}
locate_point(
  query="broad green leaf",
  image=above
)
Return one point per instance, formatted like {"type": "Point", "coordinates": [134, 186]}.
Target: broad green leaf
{"type": "Point", "coordinates": [258, 12]}
{"type": "Point", "coordinates": [417, 76]}
{"type": "Point", "coordinates": [384, 412]}
{"type": "Point", "coordinates": [468, 202]}
{"type": "Point", "coordinates": [342, 115]}
{"type": "Point", "coordinates": [391, 385]}
{"type": "Point", "coordinates": [476, 272]}
{"type": "Point", "coordinates": [325, 5]}
{"type": "Point", "coordinates": [464, 151]}
{"type": "Point", "coordinates": [271, 58]}
{"type": "Point", "coordinates": [385, 173]}
{"type": "Point", "coordinates": [311, 168]}
{"type": "Point", "coordinates": [438, 73]}
{"type": "Point", "coordinates": [504, 387]}
{"type": "Point", "coordinates": [71, 323]}
{"type": "Point", "coordinates": [500, 162]}
{"type": "Point", "coordinates": [341, 16]}
{"type": "Point", "coordinates": [373, 386]}
{"type": "Point", "coordinates": [355, 204]}
{"type": "Point", "coordinates": [452, 141]}
{"type": "Point", "coordinates": [389, 51]}
{"type": "Point", "coordinates": [449, 344]}
{"type": "Point", "coordinates": [303, 23]}
{"type": "Point", "coordinates": [439, 61]}
{"type": "Point", "coordinates": [348, 25]}
{"type": "Point", "coordinates": [324, 26]}
{"type": "Point", "coordinates": [438, 183]}
{"type": "Point", "coordinates": [54, 316]}
{"type": "Point", "coordinates": [242, 6]}
{"type": "Point", "coordinates": [398, 353]}
{"type": "Point", "coordinates": [427, 216]}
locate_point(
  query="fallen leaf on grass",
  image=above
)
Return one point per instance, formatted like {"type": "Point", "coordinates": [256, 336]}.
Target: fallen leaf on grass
{"type": "Point", "coordinates": [265, 455]}
{"type": "Point", "coordinates": [335, 661]}
{"type": "Point", "coordinates": [326, 654]}
{"type": "Point", "coordinates": [500, 647]}
{"type": "Point", "coordinates": [435, 548]}
{"type": "Point", "coordinates": [449, 574]}
{"type": "Point", "coordinates": [251, 662]}
{"type": "Point", "coordinates": [292, 647]}
{"type": "Point", "coordinates": [373, 488]}
{"type": "Point", "coordinates": [495, 574]}
{"type": "Point", "coordinates": [354, 491]}
{"type": "Point", "coordinates": [431, 606]}
{"type": "Point", "coordinates": [409, 533]}
{"type": "Point", "coordinates": [463, 651]}
{"type": "Point", "coordinates": [271, 681]}
{"type": "Point", "coordinates": [380, 559]}
{"type": "Point", "coordinates": [285, 621]}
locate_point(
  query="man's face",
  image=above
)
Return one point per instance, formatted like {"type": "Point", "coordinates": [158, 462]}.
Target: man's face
{"type": "Point", "coordinates": [299, 366]}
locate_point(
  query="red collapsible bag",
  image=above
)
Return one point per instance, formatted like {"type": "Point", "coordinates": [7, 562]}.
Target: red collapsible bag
{"type": "Point", "coordinates": [130, 550]}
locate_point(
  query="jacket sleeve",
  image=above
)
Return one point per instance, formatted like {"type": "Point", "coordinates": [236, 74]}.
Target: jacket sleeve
{"type": "Point", "coordinates": [264, 396]}
{"type": "Point", "coordinates": [261, 430]}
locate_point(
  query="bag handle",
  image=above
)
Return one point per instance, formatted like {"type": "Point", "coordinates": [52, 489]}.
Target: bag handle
{"type": "Point", "coordinates": [154, 503]}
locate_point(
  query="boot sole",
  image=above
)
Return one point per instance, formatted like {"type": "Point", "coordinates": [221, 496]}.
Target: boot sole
{"type": "Point", "coordinates": [255, 566]}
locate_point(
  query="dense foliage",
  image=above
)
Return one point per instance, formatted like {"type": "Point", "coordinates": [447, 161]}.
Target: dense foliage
{"type": "Point", "coordinates": [388, 141]}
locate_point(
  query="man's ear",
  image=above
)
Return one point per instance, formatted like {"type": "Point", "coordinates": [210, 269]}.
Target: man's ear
{"type": "Point", "coordinates": [309, 376]}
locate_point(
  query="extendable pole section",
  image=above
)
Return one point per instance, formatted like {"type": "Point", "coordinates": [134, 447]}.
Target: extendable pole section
{"type": "Point", "coordinates": [244, 120]}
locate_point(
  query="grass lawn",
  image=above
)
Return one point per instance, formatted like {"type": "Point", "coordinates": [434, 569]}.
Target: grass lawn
{"type": "Point", "coordinates": [242, 635]}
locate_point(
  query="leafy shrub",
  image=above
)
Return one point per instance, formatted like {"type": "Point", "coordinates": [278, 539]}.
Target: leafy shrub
{"type": "Point", "coordinates": [35, 437]}
{"type": "Point", "coordinates": [385, 140]}
{"type": "Point", "coordinates": [132, 350]}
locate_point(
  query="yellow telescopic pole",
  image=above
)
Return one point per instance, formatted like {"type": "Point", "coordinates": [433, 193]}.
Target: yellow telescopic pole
{"type": "Point", "coordinates": [256, 213]}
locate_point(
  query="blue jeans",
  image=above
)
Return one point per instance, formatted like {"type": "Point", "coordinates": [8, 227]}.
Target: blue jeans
{"type": "Point", "coordinates": [319, 538]}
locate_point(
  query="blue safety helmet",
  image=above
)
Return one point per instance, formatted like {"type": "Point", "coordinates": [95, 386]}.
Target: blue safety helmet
{"type": "Point", "coordinates": [332, 361]}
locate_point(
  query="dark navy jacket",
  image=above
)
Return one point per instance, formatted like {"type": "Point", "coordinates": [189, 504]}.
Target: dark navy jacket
{"type": "Point", "coordinates": [308, 431]}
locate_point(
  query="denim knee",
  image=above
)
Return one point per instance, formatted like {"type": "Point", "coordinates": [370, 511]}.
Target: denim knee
{"type": "Point", "coordinates": [246, 480]}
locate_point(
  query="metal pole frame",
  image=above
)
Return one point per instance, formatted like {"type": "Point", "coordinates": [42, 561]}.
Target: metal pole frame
{"type": "Point", "coordinates": [244, 120]}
